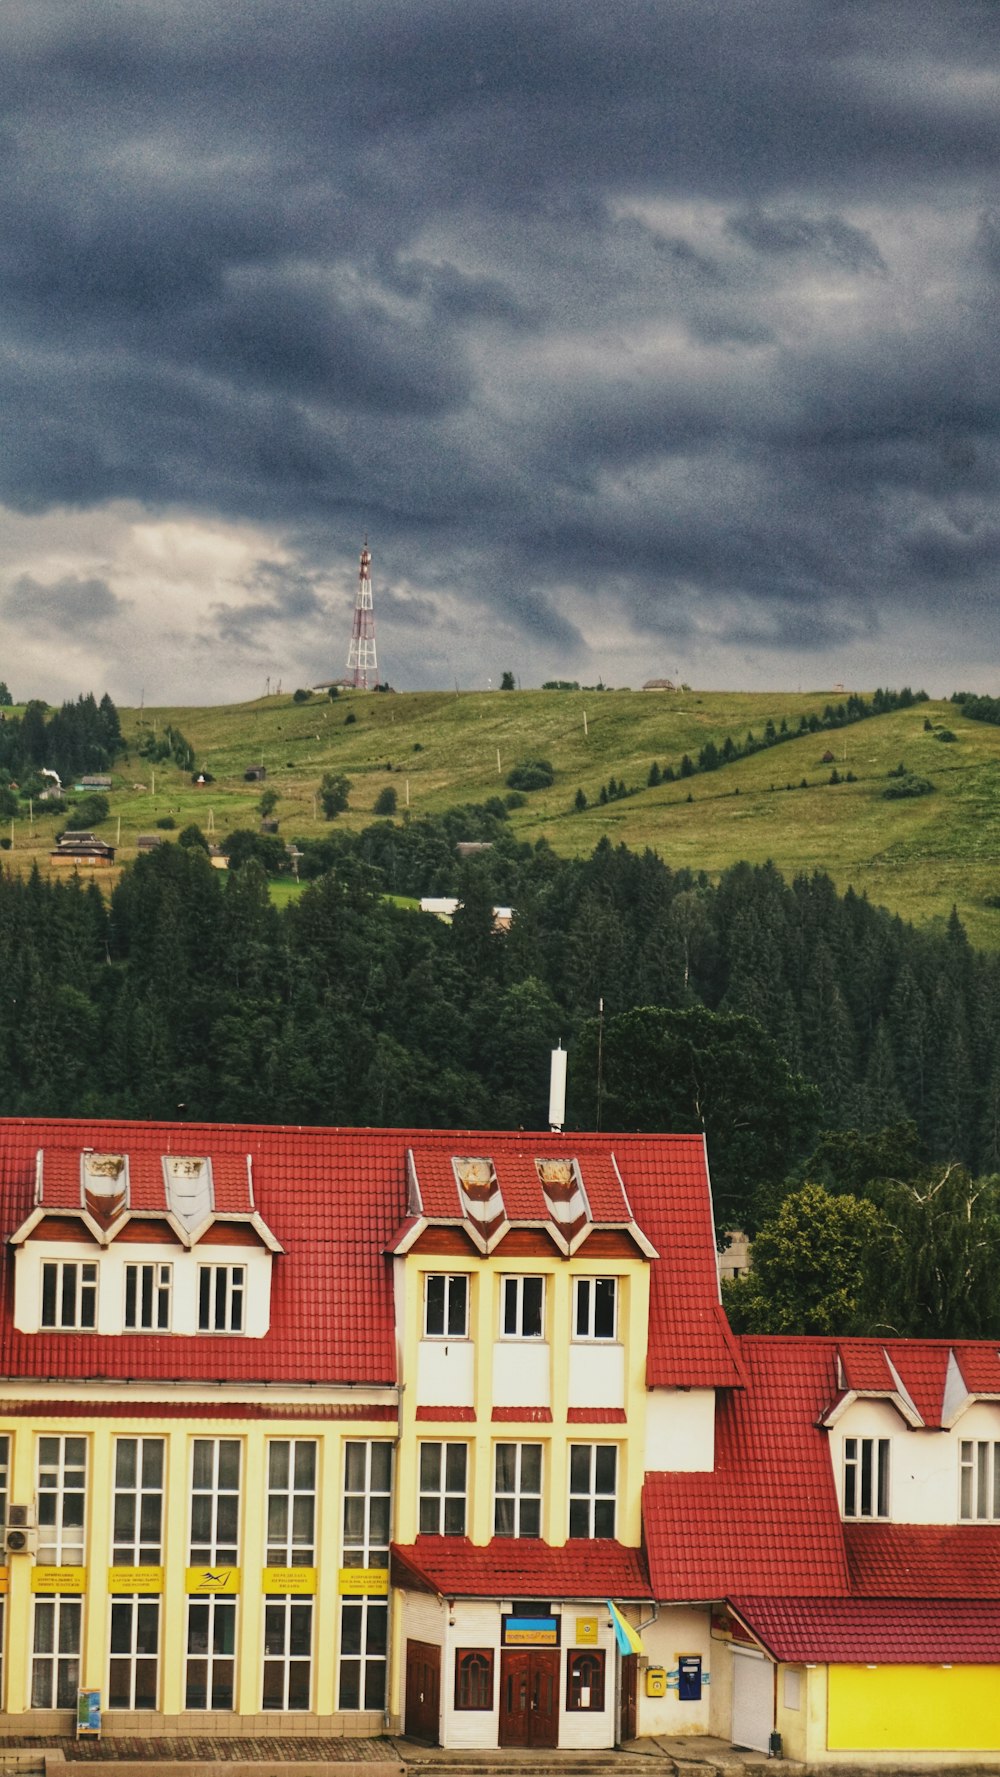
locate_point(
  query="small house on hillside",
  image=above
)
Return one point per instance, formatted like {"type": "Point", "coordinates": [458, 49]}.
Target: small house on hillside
{"type": "Point", "coordinates": [255, 774]}
{"type": "Point", "coordinates": [95, 781]}
{"type": "Point", "coordinates": [659, 685]}
{"type": "Point", "coordinates": [83, 850]}
{"type": "Point", "coordinates": [149, 841]}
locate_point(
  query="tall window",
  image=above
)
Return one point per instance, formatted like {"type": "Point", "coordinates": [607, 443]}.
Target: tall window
{"type": "Point", "coordinates": [69, 1294]}
{"type": "Point", "coordinates": [55, 1661]}
{"type": "Point", "coordinates": [517, 1507]}
{"type": "Point", "coordinates": [147, 1298]}
{"type": "Point", "coordinates": [596, 1308]}
{"type": "Point", "coordinates": [364, 1622]}
{"type": "Point", "coordinates": [137, 1542]}
{"type": "Point", "coordinates": [291, 1542]}
{"type": "Point", "coordinates": [4, 1477]}
{"type": "Point", "coordinates": [523, 1307]}
{"type": "Point", "coordinates": [215, 1512]}
{"type": "Point", "coordinates": [585, 1678]}
{"type": "Point", "coordinates": [593, 1481]}
{"type": "Point", "coordinates": [474, 1678]}
{"type": "Point", "coordinates": [866, 1477]}
{"type": "Point", "coordinates": [446, 1308]}
{"type": "Point", "coordinates": [443, 1483]}
{"type": "Point", "coordinates": [62, 1480]}
{"type": "Point", "coordinates": [980, 1479]}
{"type": "Point", "coordinates": [221, 1290]}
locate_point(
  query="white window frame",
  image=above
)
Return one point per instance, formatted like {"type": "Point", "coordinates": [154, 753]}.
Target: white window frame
{"type": "Point", "coordinates": [55, 1670]}
{"type": "Point", "coordinates": [292, 1547]}
{"type": "Point", "coordinates": [82, 1274]}
{"type": "Point", "coordinates": [525, 1498]}
{"type": "Point", "coordinates": [216, 1550]}
{"type": "Point", "coordinates": [219, 1617]}
{"type": "Point", "coordinates": [150, 1284]}
{"type": "Point", "coordinates": [979, 1481]}
{"type": "Point", "coordinates": [866, 1477]}
{"type": "Point", "coordinates": [4, 1488]}
{"type": "Point", "coordinates": [287, 1654]}
{"type": "Point", "coordinates": [456, 1284]}
{"type": "Point", "coordinates": [145, 1495]}
{"type": "Point", "coordinates": [222, 1299]}
{"type": "Point", "coordinates": [133, 1657]}
{"type": "Point", "coordinates": [590, 1497]}
{"type": "Point", "coordinates": [61, 1541]}
{"type": "Point", "coordinates": [285, 1617]}
{"type": "Point", "coordinates": [365, 1545]}
{"type": "Point", "coordinates": [585, 1303]}
{"type": "Point", "coordinates": [441, 1492]}
{"type": "Point", "coordinates": [512, 1315]}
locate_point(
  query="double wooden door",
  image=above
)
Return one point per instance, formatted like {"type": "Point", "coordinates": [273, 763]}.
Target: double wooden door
{"type": "Point", "coordinates": [529, 1696]}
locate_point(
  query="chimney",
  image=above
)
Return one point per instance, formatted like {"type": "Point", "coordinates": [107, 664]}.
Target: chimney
{"type": "Point", "coordinates": [557, 1090]}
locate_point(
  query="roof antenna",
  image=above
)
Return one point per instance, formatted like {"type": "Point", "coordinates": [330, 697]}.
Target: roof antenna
{"type": "Point", "coordinates": [600, 1058]}
{"type": "Point", "coordinates": [557, 1090]}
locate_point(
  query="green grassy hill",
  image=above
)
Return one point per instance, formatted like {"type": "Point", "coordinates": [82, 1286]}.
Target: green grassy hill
{"type": "Point", "coordinates": [916, 857]}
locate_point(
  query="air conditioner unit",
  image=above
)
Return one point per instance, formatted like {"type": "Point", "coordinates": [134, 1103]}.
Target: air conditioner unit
{"type": "Point", "coordinates": [20, 1542]}
{"type": "Point", "coordinates": [21, 1517]}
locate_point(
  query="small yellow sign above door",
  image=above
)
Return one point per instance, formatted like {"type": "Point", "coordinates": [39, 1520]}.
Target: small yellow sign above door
{"type": "Point", "coordinates": [299, 1580]}
{"type": "Point", "coordinates": [135, 1579]}
{"type": "Point", "coordinates": [201, 1580]}
{"type": "Point", "coordinates": [59, 1579]}
{"type": "Point", "coordinates": [363, 1582]}
{"type": "Point", "coordinates": [586, 1632]}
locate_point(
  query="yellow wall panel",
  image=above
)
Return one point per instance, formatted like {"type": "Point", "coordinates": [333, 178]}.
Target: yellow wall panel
{"type": "Point", "coordinates": [914, 1708]}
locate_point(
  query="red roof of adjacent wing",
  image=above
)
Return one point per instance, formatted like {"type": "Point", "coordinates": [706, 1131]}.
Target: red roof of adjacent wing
{"type": "Point", "coordinates": [886, 1631]}
{"type": "Point", "coordinates": [924, 1560]}
{"type": "Point", "coordinates": [521, 1567]}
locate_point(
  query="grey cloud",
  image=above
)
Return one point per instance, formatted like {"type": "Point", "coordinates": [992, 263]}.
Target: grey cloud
{"type": "Point", "coordinates": [68, 605]}
{"type": "Point", "coordinates": [828, 236]}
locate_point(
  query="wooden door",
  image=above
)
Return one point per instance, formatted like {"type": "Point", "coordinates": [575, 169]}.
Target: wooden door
{"type": "Point", "coordinates": [422, 1720]}
{"type": "Point", "coordinates": [529, 1696]}
{"type": "Point", "coordinates": [627, 1698]}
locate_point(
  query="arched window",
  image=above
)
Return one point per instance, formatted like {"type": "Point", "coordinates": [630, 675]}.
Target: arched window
{"type": "Point", "coordinates": [585, 1678]}
{"type": "Point", "coordinates": [474, 1678]}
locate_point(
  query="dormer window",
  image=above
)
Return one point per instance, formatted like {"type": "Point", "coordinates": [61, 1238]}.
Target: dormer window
{"type": "Point", "coordinates": [69, 1294]}
{"type": "Point", "coordinates": [221, 1293]}
{"type": "Point", "coordinates": [980, 1480]}
{"type": "Point", "coordinates": [147, 1298]}
{"type": "Point", "coordinates": [866, 1477]}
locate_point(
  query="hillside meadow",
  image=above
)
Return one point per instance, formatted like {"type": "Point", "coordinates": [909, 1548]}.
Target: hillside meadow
{"type": "Point", "coordinates": [436, 749]}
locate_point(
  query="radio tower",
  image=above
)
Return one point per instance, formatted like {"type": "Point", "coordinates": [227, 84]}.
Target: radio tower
{"type": "Point", "coordinates": [361, 658]}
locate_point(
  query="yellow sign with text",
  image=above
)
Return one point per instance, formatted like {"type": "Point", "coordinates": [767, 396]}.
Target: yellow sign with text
{"type": "Point", "coordinates": [4, 1580]}
{"type": "Point", "coordinates": [363, 1582]}
{"type": "Point", "coordinates": [135, 1579]}
{"type": "Point", "coordinates": [210, 1580]}
{"type": "Point", "coordinates": [59, 1579]}
{"type": "Point", "coordinates": [299, 1580]}
{"type": "Point", "coordinates": [586, 1632]}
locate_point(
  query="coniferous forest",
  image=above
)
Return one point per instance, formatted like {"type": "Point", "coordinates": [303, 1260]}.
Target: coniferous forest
{"type": "Point", "coordinates": [776, 1016]}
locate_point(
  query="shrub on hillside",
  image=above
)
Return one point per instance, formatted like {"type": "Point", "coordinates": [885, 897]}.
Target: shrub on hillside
{"type": "Point", "coordinates": [907, 785]}
{"type": "Point", "coordinates": [530, 774]}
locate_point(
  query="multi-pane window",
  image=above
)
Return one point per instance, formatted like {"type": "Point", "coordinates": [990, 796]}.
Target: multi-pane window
{"type": "Point", "coordinates": [593, 1480]}
{"type": "Point", "coordinates": [595, 1315]}
{"type": "Point", "coordinates": [443, 1487]}
{"type": "Point", "coordinates": [221, 1298]}
{"type": "Point", "coordinates": [69, 1294]}
{"type": "Point", "coordinates": [215, 1511]}
{"type": "Point", "coordinates": [866, 1477]}
{"type": "Point", "coordinates": [137, 1542]}
{"type": "Point", "coordinates": [147, 1298]}
{"type": "Point", "coordinates": [523, 1309]}
{"type": "Point", "coordinates": [980, 1479]}
{"type": "Point", "coordinates": [446, 1308]}
{"type": "Point", "coordinates": [291, 1542]}
{"type": "Point", "coordinates": [517, 1492]}
{"type": "Point", "coordinates": [62, 1480]}
{"type": "Point", "coordinates": [4, 1476]}
{"type": "Point", "coordinates": [364, 1622]}
{"type": "Point", "coordinates": [55, 1659]}
{"type": "Point", "coordinates": [138, 1502]}
{"type": "Point", "coordinates": [474, 1678]}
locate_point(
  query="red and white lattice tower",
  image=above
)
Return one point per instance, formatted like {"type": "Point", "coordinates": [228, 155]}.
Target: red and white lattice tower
{"type": "Point", "coordinates": [361, 661]}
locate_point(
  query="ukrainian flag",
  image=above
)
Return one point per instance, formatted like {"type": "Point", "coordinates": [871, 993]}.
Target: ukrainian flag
{"type": "Point", "coordinates": [628, 1639]}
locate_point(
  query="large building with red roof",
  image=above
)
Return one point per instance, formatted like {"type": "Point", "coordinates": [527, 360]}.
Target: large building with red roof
{"type": "Point", "coordinates": [324, 1430]}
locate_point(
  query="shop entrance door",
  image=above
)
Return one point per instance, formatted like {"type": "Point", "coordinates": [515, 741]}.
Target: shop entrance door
{"type": "Point", "coordinates": [627, 1709]}
{"type": "Point", "coordinates": [529, 1696]}
{"type": "Point", "coordinates": [422, 1720]}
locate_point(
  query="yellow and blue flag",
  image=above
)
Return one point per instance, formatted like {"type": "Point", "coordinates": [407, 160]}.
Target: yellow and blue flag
{"type": "Point", "coordinates": [628, 1639]}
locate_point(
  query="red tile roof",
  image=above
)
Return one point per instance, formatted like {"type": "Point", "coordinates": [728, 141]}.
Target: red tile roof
{"type": "Point", "coordinates": [523, 1415]}
{"type": "Point", "coordinates": [595, 1416]}
{"type": "Point", "coordinates": [334, 1198]}
{"type": "Point", "coordinates": [884, 1632]}
{"type": "Point", "coordinates": [924, 1560]}
{"type": "Point", "coordinates": [521, 1567]}
{"type": "Point", "coordinates": [766, 1520]}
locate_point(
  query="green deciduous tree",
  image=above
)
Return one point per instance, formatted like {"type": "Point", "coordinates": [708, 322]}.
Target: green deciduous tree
{"type": "Point", "coordinates": [816, 1267]}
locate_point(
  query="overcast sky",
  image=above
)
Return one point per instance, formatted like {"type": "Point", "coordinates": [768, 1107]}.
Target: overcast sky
{"type": "Point", "coordinates": [642, 337]}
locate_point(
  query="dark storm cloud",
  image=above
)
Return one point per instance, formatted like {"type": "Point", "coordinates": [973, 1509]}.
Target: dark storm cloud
{"type": "Point", "coordinates": [664, 316]}
{"type": "Point", "coordinates": [65, 606]}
